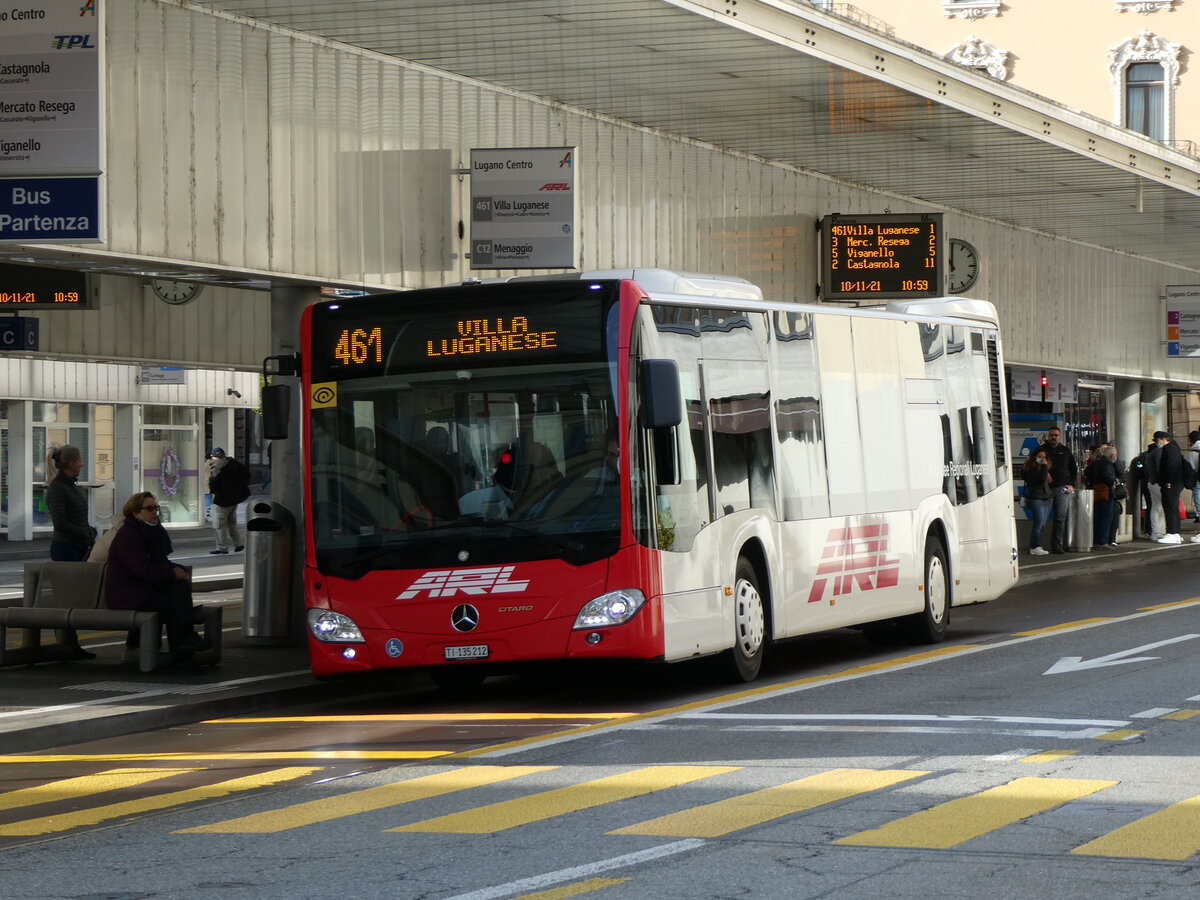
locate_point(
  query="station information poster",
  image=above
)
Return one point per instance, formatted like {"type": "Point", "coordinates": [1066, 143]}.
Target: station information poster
{"type": "Point", "coordinates": [892, 256]}
{"type": "Point", "coordinates": [524, 213]}
{"type": "Point", "coordinates": [1183, 320]}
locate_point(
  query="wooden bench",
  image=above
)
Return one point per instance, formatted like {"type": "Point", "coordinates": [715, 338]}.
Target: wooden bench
{"type": "Point", "coordinates": [70, 595]}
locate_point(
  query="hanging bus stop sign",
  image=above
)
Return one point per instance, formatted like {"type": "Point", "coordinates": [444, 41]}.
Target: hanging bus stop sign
{"type": "Point", "coordinates": [18, 333]}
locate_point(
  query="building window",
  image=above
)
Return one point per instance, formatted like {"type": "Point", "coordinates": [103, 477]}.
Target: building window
{"type": "Point", "coordinates": [1144, 99]}
{"type": "Point", "coordinates": [1145, 72]}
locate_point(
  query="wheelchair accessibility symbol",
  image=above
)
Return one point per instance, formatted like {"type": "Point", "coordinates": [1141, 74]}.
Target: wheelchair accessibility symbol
{"type": "Point", "coordinates": [393, 647]}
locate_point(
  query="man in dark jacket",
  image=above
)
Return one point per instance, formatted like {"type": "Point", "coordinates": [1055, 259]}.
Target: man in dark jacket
{"type": "Point", "coordinates": [230, 485]}
{"type": "Point", "coordinates": [1063, 473]}
{"type": "Point", "coordinates": [1170, 483]}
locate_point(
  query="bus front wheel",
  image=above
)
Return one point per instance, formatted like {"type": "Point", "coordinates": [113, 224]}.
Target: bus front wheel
{"type": "Point", "coordinates": [929, 625]}
{"type": "Point", "coordinates": [749, 625]}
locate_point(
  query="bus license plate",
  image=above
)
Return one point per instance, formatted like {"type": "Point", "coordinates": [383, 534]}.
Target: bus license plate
{"type": "Point", "coordinates": [474, 651]}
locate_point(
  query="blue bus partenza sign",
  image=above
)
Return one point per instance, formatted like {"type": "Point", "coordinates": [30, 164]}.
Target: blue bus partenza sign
{"type": "Point", "coordinates": [33, 210]}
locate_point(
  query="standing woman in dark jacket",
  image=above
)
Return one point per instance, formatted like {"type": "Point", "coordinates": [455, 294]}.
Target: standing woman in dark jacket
{"type": "Point", "coordinates": [1039, 496]}
{"type": "Point", "coordinates": [1104, 477]}
{"type": "Point", "coordinates": [73, 536]}
{"type": "Point", "coordinates": [140, 576]}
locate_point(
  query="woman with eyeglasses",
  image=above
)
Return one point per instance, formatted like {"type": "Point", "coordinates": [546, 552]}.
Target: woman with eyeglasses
{"type": "Point", "coordinates": [140, 576]}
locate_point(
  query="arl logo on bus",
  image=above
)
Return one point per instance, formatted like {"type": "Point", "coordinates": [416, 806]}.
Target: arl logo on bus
{"type": "Point", "coordinates": [855, 558]}
{"type": "Point", "coordinates": [448, 582]}
{"type": "Point", "coordinates": [555, 186]}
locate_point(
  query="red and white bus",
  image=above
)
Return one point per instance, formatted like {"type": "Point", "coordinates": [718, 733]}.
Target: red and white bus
{"type": "Point", "coordinates": [643, 465]}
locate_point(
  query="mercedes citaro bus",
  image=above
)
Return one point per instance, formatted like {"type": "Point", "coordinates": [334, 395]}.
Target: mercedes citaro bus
{"type": "Point", "coordinates": [642, 465]}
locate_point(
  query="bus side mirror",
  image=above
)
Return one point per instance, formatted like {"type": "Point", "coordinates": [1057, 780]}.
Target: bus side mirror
{"type": "Point", "coordinates": [276, 411]}
{"type": "Point", "coordinates": [662, 400]}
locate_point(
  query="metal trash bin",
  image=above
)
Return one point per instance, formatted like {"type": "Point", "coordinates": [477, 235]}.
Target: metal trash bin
{"type": "Point", "coordinates": [267, 591]}
{"type": "Point", "coordinates": [1082, 521]}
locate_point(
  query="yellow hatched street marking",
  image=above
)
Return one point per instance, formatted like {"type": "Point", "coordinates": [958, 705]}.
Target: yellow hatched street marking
{"type": "Point", "coordinates": [70, 788]}
{"type": "Point", "coordinates": [1171, 833]}
{"type": "Point", "coordinates": [1063, 626]}
{"type": "Point", "coordinates": [1183, 714]}
{"type": "Point", "coordinates": [1121, 734]}
{"type": "Point", "coordinates": [249, 756]}
{"type": "Point", "coordinates": [958, 821]}
{"type": "Point", "coordinates": [574, 890]}
{"type": "Point", "coordinates": [366, 800]}
{"type": "Point", "coordinates": [54, 824]}
{"type": "Point", "coordinates": [419, 717]}
{"type": "Point", "coordinates": [549, 804]}
{"type": "Point", "coordinates": [1048, 756]}
{"type": "Point", "coordinates": [725, 816]}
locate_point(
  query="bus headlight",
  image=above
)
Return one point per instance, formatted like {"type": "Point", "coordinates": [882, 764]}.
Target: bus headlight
{"type": "Point", "coordinates": [613, 608]}
{"type": "Point", "coordinates": [334, 627]}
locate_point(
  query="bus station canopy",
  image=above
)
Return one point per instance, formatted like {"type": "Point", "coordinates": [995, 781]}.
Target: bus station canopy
{"type": "Point", "coordinates": [790, 82]}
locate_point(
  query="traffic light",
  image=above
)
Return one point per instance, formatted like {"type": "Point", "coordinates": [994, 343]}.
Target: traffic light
{"type": "Point", "coordinates": [1045, 386]}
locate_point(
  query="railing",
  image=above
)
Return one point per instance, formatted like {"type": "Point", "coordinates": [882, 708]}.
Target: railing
{"type": "Point", "coordinates": [1189, 147]}
{"type": "Point", "coordinates": [854, 14]}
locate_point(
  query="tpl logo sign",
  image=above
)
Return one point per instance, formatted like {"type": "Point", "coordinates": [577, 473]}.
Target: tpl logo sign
{"type": "Point", "coordinates": [448, 582]}
{"type": "Point", "coordinates": [852, 558]}
{"type": "Point", "coordinates": [72, 42]}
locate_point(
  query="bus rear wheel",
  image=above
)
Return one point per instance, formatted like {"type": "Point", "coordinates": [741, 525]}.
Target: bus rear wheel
{"type": "Point", "coordinates": [744, 659]}
{"type": "Point", "coordinates": [929, 625]}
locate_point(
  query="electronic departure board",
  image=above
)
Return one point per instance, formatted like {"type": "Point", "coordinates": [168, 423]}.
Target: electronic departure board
{"type": "Point", "coordinates": [31, 287]}
{"type": "Point", "coordinates": [883, 257]}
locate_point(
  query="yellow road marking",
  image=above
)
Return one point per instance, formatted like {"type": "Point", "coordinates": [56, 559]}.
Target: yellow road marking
{"type": "Point", "coordinates": [1121, 734]}
{"type": "Point", "coordinates": [958, 821]}
{"type": "Point", "coordinates": [725, 816]}
{"type": "Point", "coordinates": [1048, 756]}
{"type": "Point", "coordinates": [1063, 626]}
{"type": "Point", "coordinates": [421, 717]}
{"type": "Point", "coordinates": [749, 693]}
{"type": "Point", "coordinates": [1171, 833]}
{"type": "Point", "coordinates": [574, 890]}
{"type": "Point", "coordinates": [366, 800]}
{"type": "Point", "coordinates": [68, 788]}
{"type": "Point", "coordinates": [96, 815]}
{"type": "Point", "coordinates": [249, 756]}
{"type": "Point", "coordinates": [1183, 714]}
{"type": "Point", "coordinates": [1168, 605]}
{"type": "Point", "coordinates": [549, 804]}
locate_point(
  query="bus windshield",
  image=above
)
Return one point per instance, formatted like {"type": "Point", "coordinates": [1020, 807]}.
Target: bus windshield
{"type": "Point", "coordinates": [470, 465]}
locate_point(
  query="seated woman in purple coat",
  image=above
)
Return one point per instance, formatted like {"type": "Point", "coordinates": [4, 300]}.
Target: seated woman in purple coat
{"type": "Point", "coordinates": [140, 576]}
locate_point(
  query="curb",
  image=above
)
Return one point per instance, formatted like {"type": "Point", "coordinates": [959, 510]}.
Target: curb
{"type": "Point", "coordinates": [1086, 563]}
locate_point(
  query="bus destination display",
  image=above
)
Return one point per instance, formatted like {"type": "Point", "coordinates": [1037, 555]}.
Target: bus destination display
{"type": "Point", "coordinates": [882, 257]}
{"type": "Point", "coordinates": [29, 287]}
{"type": "Point", "coordinates": [370, 337]}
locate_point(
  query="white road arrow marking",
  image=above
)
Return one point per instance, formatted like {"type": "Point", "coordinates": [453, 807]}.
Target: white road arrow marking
{"type": "Point", "coordinates": [1077, 663]}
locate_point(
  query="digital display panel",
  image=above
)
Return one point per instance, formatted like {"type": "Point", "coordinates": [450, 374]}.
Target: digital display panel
{"type": "Point", "coordinates": [31, 287]}
{"type": "Point", "coordinates": [460, 327]}
{"type": "Point", "coordinates": [883, 257]}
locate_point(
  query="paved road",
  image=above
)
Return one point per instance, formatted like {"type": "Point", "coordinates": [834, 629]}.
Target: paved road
{"type": "Point", "coordinates": [1046, 750]}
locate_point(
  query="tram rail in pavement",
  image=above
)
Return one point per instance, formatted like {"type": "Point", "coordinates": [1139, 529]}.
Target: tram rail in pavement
{"type": "Point", "coordinates": [55, 704]}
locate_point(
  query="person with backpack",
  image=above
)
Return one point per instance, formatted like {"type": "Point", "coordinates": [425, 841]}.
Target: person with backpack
{"type": "Point", "coordinates": [1172, 472]}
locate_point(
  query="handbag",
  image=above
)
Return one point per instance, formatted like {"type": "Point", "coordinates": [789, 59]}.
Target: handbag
{"type": "Point", "coordinates": [1119, 492]}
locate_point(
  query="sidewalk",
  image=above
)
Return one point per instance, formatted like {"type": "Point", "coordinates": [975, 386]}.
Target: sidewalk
{"type": "Point", "coordinates": [56, 704]}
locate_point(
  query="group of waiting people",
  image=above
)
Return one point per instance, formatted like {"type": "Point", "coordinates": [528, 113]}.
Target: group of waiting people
{"type": "Point", "coordinates": [139, 575]}
{"type": "Point", "coordinates": [1051, 473]}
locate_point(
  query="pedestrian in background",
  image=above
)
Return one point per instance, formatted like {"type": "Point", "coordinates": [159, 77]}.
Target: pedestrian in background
{"type": "Point", "coordinates": [1063, 474]}
{"type": "Point", "coordinates": [1156, 524]}
{"type": "Point", "coordinates": [1170, 484]}
{"type": "Point", "coordinates": [1104, 478]}
{"type": "Point", "coordinates": [1039, 496]}
{"type": "Point", "coordinates": [1120, 494]}
{"type": "Point", "coordinates": [230, 485]}
{"type": "Point", "coordinates": [1193, 457]}
{"type": "Point", "coordinates": [73, 534]}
